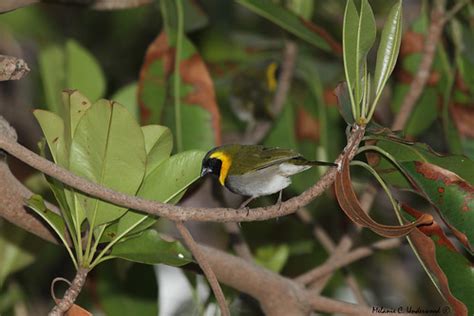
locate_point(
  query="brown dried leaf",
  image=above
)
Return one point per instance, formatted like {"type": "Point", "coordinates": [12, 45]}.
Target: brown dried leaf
{"type": "Point", "coordinates": [351, 206]}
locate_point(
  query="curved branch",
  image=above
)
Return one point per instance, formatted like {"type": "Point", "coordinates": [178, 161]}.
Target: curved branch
{"type": "Point", "coordinates": [202, 261]}
{"type": "Point", "coordinates": [177, 213]}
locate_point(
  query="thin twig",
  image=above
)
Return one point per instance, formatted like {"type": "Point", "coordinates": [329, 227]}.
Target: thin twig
{"type": "Point", "coordinates": [71, 293]}
{"type": "Point", "coordinates": [328, 244]}
{"type": "Point", "coordinates": [206, 268]}
{"type": "Point", "coordinates": [344, 259]}
{"type": "Point", "coordinates": [172, 212]}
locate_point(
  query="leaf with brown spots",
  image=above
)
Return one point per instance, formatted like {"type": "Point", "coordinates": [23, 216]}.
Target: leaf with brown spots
{"type": "Point", "coordinates": [199, 110]}
{"type": "Point", "coordinates": [450, 271]}
{"type": "Point", "coordinates": [450, 194]}
{"type": "Point", "coordinates": [154, 74]}
{"type": "Point", "coordinates": [351, 206]}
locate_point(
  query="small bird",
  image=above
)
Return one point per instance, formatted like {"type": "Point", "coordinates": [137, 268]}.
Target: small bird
{"type": "Point", "coordinates": [254, 170]}
{"type": "Point", "coordinates": [252, 91]}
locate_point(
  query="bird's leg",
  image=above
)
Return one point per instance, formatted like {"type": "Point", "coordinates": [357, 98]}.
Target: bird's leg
{"type": "Point", "coordinates": [244, 204]}
{"type": "Point", "coordinates": [280, 195]}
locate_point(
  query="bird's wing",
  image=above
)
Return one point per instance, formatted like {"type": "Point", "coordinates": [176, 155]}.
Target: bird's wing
{"type": "Point", "coordinates": [259, 157]}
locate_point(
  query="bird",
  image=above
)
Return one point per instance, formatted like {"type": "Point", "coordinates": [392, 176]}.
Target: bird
{"type": "Point", "coordinates": [255, 170]}
{"type": "Point", "coordinates": [252, 91]}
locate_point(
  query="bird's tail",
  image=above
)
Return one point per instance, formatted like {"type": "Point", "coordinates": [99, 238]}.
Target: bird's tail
{"type": "Point", "coordinates": [303, 161]}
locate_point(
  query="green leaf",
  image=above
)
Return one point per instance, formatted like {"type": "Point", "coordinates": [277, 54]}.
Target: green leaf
{"type": "Point", "coordinates": [402, 152]}
{"type": "Point", "coordinates": [168, 182]}
{"type": "Point", "coordinates": [158, 145]}
{"type": "Point", "coordinates": [70, 67]}
{"type": "Point", "coordinates": [53, 130]}
{"type": "Point", "coordinates": [108, 148]}
{"type": "Point", "coordinates": [83, 72]}
{"type": "Point", "coordinates": [15, 250]}
{"type": "Point", "coordinates": [389, 47]}
{"type": "Point", "coordinates": [451, 195]}
{"type": "Point", "coordinates": [127, 289]}
{"type": "Point", "coordinates": [75, 105]}
{"type": "Point", "coordinates": [193, 16]}
{"type": "Point", "coordinates": [150, 248]}
{"type": "Point", "coordinates": [127, 96]}
{"type": "Point", "coordinates": [359, 34]}
{"type": "Point", "coordinates": [273, 258]}
{"type": "Point", "coordinates": [36, 203]}
{"type": "Point", "coordinates": [286, 19]}
{"type": "Point", "coordinates": [51, 62]}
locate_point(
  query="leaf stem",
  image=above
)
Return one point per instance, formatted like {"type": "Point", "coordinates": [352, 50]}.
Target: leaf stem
{"type": "Point", "coordinates": [114, 241]}
{"type": "Point", "coordinates": [177, 78]}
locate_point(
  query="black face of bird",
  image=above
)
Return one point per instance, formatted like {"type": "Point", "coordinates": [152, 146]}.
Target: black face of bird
{"type": "Point", "coordinates": [212, 166]}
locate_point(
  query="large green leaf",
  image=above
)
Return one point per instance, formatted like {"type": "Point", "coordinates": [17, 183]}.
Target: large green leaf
{"type": "Point", "coordinates": [83, 72]}
{"type": "Point", "coordinates": [53, 130]}
{"type": "Point", "coordinates": [69, 67]}
{"type": "Point", "coordinates": [389, 47]}
{"type": "Point", "coordinates": [75, 105]}
{"type": "Point", "coordinates": [158, 145]}
{"type": "Point", "coordinates": [150, 248]}
{"type": "Point", "coordinates": [51, 62]}
{"type": "Point", "coordinates": [108, 148]}
{"type": "Point", "coordinates": [127, 96]}
{"type": "Point", "coordinates": [167, 183]}
{"type": "Point", "coordinates": [450, 271]}
{"type": "Point", "coordinates": [286, 19]}
{"type": "Point", "coordinates": [451, 195]}
{"type": "Point", "coordinates": [127, 289]}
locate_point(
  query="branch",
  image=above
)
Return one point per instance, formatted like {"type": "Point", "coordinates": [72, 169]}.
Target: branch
{"type": "Point", "coordinates": [344, 259]}
{"type": "Point", "coordinates": [421, 78]}
{"type": "Point", "coordinates": [203, 263]}
{"type": "Point", "coordinates": [329, 245]}
{"type": "Point", "coordinates": [172, 212]}
{"type": "Point", "coordinates": [276, 294]}
{"type": "Point", "coordinates": [12, 68]}
{"type": "Point", "coordinates": [71, 294]}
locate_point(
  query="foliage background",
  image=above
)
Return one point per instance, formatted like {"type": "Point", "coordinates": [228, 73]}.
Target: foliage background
{"type": "Point", "coordinates": [231, 39]}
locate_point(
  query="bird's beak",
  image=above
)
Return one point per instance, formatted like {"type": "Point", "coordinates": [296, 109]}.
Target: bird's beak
{"type": "Point", "coordinates": [205, 171]}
